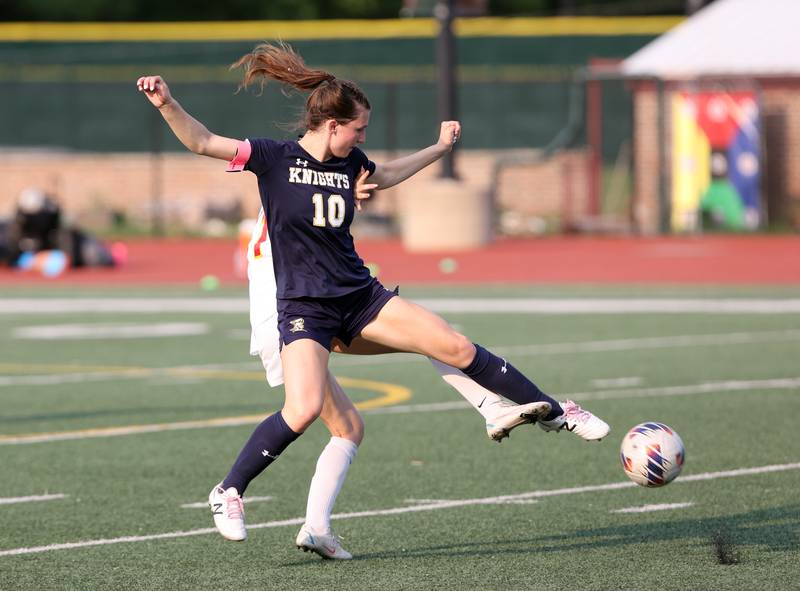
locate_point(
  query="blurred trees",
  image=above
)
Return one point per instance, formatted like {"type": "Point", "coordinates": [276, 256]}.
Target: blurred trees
{"type": "Point", "coordinates": [180, 10]}
{"type": "Point", "coordinates": [183, 10]}
{"type": "Point", "coordinates": [594, 7]}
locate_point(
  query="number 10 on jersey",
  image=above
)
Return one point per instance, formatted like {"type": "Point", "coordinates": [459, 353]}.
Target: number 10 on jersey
{"type": "Point", "coordinates": [335, 213]}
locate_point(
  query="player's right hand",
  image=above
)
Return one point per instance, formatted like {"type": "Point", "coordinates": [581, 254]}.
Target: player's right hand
{"type": "Point", "coordinates": [155, 89]}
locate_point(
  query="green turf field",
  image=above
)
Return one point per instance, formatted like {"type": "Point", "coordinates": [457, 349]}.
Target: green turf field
{"type": "Point", "coordinates": [117, 434]}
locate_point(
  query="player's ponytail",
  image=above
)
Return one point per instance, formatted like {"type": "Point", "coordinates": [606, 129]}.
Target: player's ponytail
{"type": "Point", "coordinates": [329, 98]}
{"type": "Point", "coordinates": [279, 62]}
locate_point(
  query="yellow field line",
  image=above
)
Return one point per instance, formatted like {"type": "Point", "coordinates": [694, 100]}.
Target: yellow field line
{"type": "Point", "coordinates": [390, 394]}
{"type": "Point", "coordinates": [129, 430]}
{"type": "Point", "coordinates": [564, 26]}
{"type": "Point", "coordinates": [333, 29]}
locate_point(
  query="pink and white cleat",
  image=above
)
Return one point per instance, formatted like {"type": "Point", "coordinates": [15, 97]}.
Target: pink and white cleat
{"type": "Point", "coordinates": [228, 511]}
{"type": "Point", "coordinates": [579, 421]}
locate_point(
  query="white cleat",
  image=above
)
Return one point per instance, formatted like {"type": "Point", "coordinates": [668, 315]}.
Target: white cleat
{"type": "Point", "coordinates": [228, 511]}
{"type": "Point", "coordinates": [505, 415]}
{"type": "Point", "coordinates": [579, 421]}
{"type": "Point", "coordinates": [328, 545]}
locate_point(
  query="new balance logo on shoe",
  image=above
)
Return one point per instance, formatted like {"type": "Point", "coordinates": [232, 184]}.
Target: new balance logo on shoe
{"type": "Point", "coordinates": [577, 420]}
{"type": "Point", "coordinates": [230, 521]}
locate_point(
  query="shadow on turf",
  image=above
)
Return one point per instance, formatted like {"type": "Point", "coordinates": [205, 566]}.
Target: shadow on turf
{"type": "Point", "coordinates": [774, 529]}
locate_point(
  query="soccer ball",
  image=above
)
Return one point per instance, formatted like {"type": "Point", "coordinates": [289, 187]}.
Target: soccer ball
{"type": "Point", "coordinates": [652, 454]}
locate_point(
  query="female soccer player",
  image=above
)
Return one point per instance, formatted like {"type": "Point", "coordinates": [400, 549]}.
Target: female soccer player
{"type": "Point", "coordinates": [324, 291]}
{"type": "Point", "coordinates": [342, 418]}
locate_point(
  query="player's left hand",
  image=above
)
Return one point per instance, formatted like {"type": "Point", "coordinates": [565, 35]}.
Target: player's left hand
{"type": "Point", "coordinates": [449, 134]}
{"type": "Point", "coordinates": [363, 189]}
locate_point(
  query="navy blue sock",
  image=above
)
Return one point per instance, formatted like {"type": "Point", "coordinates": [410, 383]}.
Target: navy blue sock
{"type": "Point", "coordinates": [499, 376]}
{"type": "Point", "coordinates": [266, 443]}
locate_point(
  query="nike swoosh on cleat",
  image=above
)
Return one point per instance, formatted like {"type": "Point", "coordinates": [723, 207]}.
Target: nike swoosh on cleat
{"type": "Point", "coordinates": [482, 401]}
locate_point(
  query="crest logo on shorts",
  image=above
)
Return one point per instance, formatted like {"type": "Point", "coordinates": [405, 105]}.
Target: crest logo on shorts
{"type": "Point", "coordinates": [297, 325]}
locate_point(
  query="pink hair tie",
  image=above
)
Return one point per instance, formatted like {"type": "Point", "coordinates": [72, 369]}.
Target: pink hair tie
{"type": "Point", "coordinates": [243, 151]}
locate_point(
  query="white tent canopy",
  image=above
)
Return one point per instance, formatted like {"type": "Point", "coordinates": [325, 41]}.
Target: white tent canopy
{"type": "Point", "coordinates": [727, 38]}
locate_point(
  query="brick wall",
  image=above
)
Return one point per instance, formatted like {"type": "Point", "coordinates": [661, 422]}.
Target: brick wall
{"type": "Point", "coordinates": [553, 188]}
{"type": "Point", "coordinates": [89, 186]}
{"type": "Point", "coordinates": [646, 161]}
{"type": "Point", "coordinates": [784, 103]}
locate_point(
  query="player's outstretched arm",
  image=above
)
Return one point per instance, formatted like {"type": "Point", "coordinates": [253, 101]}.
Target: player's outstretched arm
{"type": "Point", "coordinates": [396, 171]}
{"type": "Point", "coordinates": [192, 134]}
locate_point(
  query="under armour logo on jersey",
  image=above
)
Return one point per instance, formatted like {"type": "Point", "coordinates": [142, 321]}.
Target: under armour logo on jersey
{"type": "Point", "coordinates": [301, 162]}
{"type": "Point", "coordinates": [504, 369]}
{"type": "Point", "coordinates": [297, 325]}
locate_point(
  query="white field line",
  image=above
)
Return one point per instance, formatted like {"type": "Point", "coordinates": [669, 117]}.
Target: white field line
{"type": "Point", "coordinates": [402, 409]}
{"type": "Point", "coordinates": [689, 390]}
{"type": "Point", "coordinates": [608, 345]}
{"type": "Point", "coordinates": [686, 390]}
{"type": "Point", "coordinates": [617, 382]}
{"type": "Point", "coordinates": [680, 341]}
{"type": "Point", "coordinates": [445, 501]}
{"type": "Point", "coordinates": [435, 506]}
{"type": "Point", "coordinates": [614, 306]}
{"type": "Point", "coordinates": [204, 504]}
{"type": "Point", "coordinates": [553, 305]}
{"type": "Point", "coordinates": [72, 378]}
{"type": "Point", "coordinates": [122, 305]}
{"type": "Point", "coordinates": [731, 338]}
{"type": "Point", "coordinates": [110, 331]}
{"type": "Point", "coordinates": [239, 334]}
{"type": "Point", "coordinates": [649, 508]}
{"type": "Point", "coordinates": [30, 499]}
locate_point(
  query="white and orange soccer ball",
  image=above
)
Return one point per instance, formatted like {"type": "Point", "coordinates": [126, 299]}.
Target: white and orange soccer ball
{"type": "Point", "coordinates": [652, 454]}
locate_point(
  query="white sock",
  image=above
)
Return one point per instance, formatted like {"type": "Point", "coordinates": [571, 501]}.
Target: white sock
{"type": "Point", "coordinates": [332, 467]}
{"type": "Point", "coordinates": [479, 397]}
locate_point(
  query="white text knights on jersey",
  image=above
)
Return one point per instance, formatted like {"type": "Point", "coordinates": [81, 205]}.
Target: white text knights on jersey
{"type": "Point", "coordinates": [307, 176]}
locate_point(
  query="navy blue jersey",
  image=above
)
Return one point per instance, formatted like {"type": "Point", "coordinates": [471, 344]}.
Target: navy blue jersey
{"type": "Point", "coordinates": [309, 206]}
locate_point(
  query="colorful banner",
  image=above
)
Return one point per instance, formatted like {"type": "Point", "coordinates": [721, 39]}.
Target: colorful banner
{"type": "Point", "coordinates": [715, 161]}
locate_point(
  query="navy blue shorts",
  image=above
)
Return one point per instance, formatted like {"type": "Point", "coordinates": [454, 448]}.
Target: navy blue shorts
{"type": "Point", "coordinates": [322, 319]}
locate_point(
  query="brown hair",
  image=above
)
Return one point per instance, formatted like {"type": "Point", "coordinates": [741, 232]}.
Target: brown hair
{"type": "Point", "coordinates": [329, 98]}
